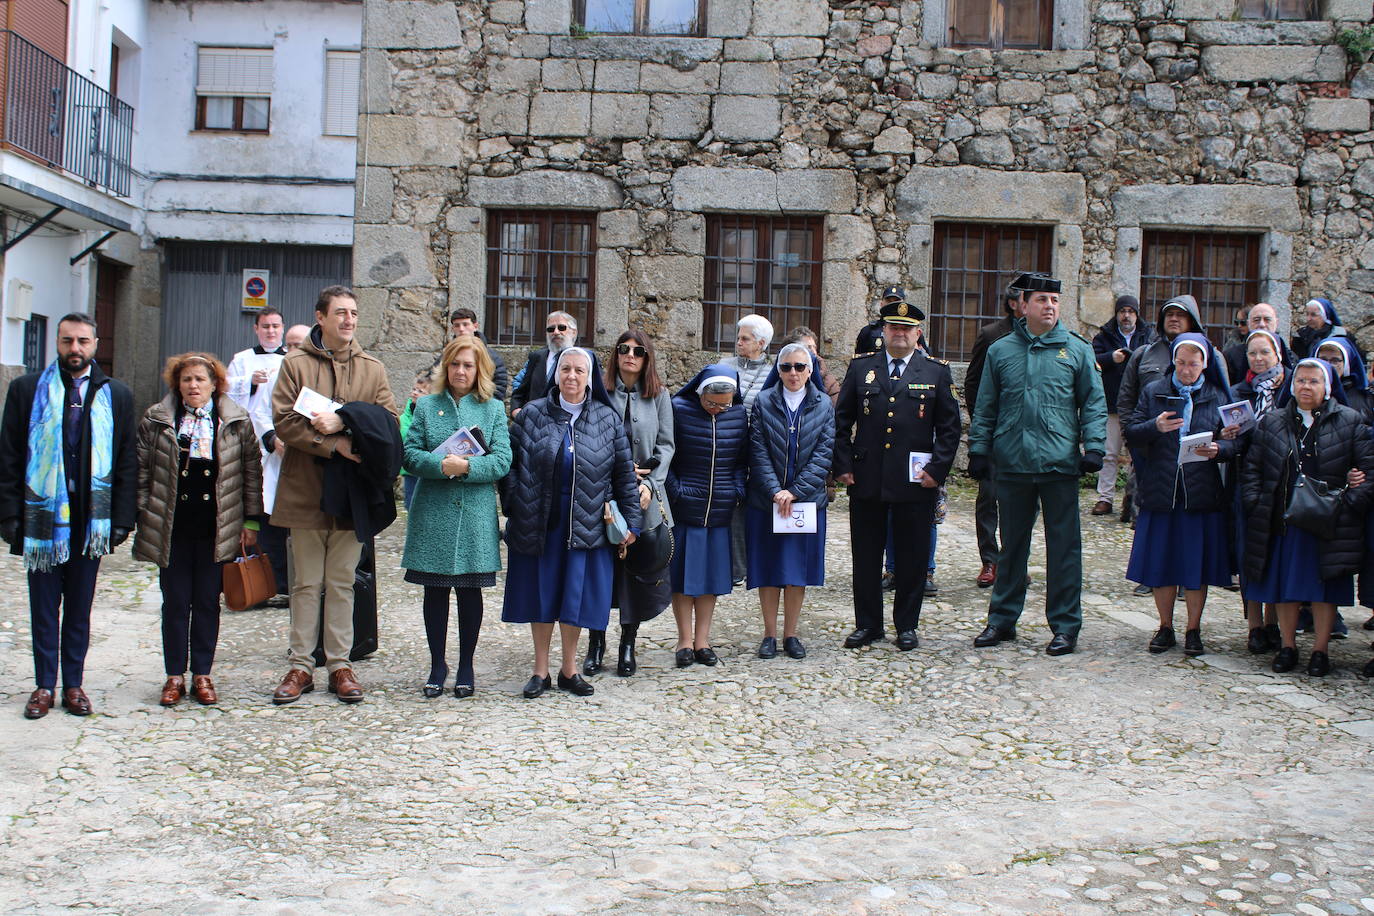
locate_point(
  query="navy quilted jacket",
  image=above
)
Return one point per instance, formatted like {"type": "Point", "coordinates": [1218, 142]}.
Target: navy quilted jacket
{"type": "Point", "coordinates": [602, 470]}
{"type": "Point", "coordinates": [768, 435]}
{"type": "Point", "coordinates": [706, 478]}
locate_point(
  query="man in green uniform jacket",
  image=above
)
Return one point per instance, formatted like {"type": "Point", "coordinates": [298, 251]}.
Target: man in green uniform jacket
{"type": "Point", "coordinates": [1039, 402]}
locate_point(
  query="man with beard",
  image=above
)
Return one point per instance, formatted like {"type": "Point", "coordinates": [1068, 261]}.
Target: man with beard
{"type": "Point", "coordinates": [68, 496]}
{"type": "Point", "coordinates": [560, 331]}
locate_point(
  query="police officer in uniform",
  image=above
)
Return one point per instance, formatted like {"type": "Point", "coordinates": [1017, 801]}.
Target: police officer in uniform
{"type": "Point", "coordinates": [896, 432]}
{"type": "Point", "coordinates": [870, 339]}
{"type": "Point", "coordinates": [1039, 424]}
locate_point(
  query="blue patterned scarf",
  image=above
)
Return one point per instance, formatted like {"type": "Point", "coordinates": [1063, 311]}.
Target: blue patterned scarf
{"type": "Point", "coordinates": [47, 511]}
{"type": "Point", "coordinates": [1186, 415]}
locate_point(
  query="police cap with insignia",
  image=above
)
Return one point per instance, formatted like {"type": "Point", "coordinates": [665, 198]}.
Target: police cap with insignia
{"type": "Point", "coordinates": [1035, 282]}
{"type": "Point", "coordinates": [894, 293]}
{"type": "Point", "coordinates": [901, 313]}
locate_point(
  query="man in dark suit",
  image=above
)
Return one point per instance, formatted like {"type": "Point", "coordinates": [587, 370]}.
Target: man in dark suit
{"type": "Point", "coordinates": [896, 432]}
{"type": "Point", "coordinates": [985, 508]}
{"type": "Point", "coordinates": [560, 331]}
{"type": "Point", "coordinates": [91, 472]}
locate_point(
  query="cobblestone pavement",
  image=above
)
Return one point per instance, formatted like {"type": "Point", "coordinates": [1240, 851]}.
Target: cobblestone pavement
{"type": "Point", "coordinates": [942, 780]}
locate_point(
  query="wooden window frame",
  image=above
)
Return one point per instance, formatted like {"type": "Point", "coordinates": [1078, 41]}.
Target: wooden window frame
{"type": "Point", "coordinates": [997, 28]}
{"type": "Point", "coordinates": [496, 307]}
{"type": "Point", "coordinates": [950, 332]}
{"type": "Point", "coordinates": [1272, 13]}
{"type": "Point", "coordinates": [783, 317]}
{"type": "Point", "coordinates": [237, 127]}
{"type": "Point", "coordinates": [641, 26]}
{"type": "Point", "coordinates": [1218, 313]}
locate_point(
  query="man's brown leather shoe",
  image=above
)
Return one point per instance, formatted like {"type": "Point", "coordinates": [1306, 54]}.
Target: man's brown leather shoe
{"type": "Point", "coordinates": [75, 701]}
{"type": "Point", "coordinates": [988, 575]}
{"type": "Point", "coordinates": [343, 683]}
{"type": "Point", "coordinates": [203, 689]}
{"type": "Point", "coordinates": [292, 686]}
{"type": "Point", "coordinates": [40, 701]}
{"type": "Point", "coordinates": [173, 690]}
{"type": "Point", "coordinates": [1102, 508]}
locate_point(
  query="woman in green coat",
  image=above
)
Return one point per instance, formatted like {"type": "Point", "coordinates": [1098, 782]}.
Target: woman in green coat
{"type": "Point", "coordinates": [452, 535]}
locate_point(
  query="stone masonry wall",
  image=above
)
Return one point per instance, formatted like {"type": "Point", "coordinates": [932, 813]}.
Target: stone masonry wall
{"type": "Point", "coordinates": [1149, 114]}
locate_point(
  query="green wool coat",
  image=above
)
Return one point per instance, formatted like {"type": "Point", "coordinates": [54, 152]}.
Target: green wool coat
{"type": "Point", "coordinates": [453, 528]}
{"type": "Point", "coordinates": [1040, 403]}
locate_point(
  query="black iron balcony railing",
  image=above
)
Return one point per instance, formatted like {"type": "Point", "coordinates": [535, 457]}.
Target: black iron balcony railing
{"type": "Point", "coordinates": [58, 116]}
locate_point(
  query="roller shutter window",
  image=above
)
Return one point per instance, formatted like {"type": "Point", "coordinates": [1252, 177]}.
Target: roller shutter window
{"type": "Point", "coordinates": [341, 93]}
{"type": "Point", "coordinates": [234, 89]}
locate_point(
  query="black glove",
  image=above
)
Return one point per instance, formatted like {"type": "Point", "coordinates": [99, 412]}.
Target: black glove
{"type": "Point", "coordinates": [1090, 462]}
{"type": "Point", "coordinates": [979, 468]}
{"type": "Point", "coordinates": [9, 530]}
{"type": "Point", "coordinates": [118, 536]}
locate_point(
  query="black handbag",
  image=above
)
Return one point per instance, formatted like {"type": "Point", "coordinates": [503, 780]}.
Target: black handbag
{"type": "Point", "coordinates": [1312, 505]}
{"type": "Point", "coordinates": [652, 551]}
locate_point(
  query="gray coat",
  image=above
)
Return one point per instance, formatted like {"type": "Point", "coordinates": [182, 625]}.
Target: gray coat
{"type": "Point", "coordinates": [651, 436]}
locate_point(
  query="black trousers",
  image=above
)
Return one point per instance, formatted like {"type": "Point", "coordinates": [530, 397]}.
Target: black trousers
{"type": "Point", "coordinates": [60, 617]}
{"type": "Point", "coordinates": [985, 521]}
{"type": "Point", "coordinates": [191, 585]}
{"type": "Point", "coordinates": [868, 528]}
{"type": "Point", "coordinates": [272, 540]}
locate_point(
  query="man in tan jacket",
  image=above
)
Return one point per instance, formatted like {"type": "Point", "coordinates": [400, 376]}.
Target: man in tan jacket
{"type": "Point", "coordinates": [324, 549]}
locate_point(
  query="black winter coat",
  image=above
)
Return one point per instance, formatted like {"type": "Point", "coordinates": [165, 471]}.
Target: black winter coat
{"type": "Point", "coordinates": [602, 470]}
{"type": "Point", "coordinates": [706, 478]}
{"type": "Point", "coordinates": [14, 456]}
{"type": "Point", "coordinates": [1110, 339]}
{"type": "Point", "coordinates": [768, 437]}
{"type": "Point", "coordinates": [1162, 485]}
{"type": "Point", "coordinates": [1341, 442]}
{"type": "Point", "coordinates": [363, 491]}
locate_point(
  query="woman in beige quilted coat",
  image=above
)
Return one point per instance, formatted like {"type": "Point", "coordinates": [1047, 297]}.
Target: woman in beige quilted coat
{"type": "Point", "coordinates": [199, 484]}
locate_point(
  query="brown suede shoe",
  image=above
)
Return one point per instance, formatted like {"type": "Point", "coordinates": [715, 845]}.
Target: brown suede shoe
{"type": "Point", "coordinates": [40, 701]}
{"type": "Point", "coordinates": [75, 701]}
{"type": "Point", "coordinates": [292, 686]}
{"type": "Point", "coordinates": [343, 683]}
{"type": "Point", "coordinates": [173, 690]}
{"type": "Point", "coordinates": [203, 689]}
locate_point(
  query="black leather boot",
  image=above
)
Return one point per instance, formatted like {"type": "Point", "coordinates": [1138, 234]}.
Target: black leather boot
{"type": "Point", "coordinates": [596, 652]}
{"type": "Point", "coordinates": [626, 665]}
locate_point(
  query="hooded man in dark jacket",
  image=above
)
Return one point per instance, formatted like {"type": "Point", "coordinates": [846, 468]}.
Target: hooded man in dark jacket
{"type": "Point", "coordinates": [1179, 314]}
{"type": "Point", "coordinates": [1113, 346]}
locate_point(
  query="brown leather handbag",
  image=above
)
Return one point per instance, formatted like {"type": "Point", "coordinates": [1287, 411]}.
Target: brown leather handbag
{"type": "Point", "coordinates": [248, 581]}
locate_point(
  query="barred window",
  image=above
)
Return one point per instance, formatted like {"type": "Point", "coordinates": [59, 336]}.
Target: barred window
{"type": "Point", "coordinates": [1218, 269]}
{"type": "Point", "coordinates": [1279, 9]}
{"type": "Point", "coordinates": [640, 17]}
{"type": "Point", "coordinates": [973, 265]}
{"type": "Point", "coordinates": [1026, 24]}
{"type": "Point", "coordinates": [36, 343]}
{"type": "Point", "coordinates": [539, 261]}
{"type": "Point", "coordinates": [764, 265]}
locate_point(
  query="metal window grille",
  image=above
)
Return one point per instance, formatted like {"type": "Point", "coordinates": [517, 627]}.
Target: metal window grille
{"type": "Point", "coordinates": [1279, 9]}
{"type": "Point", "coordinates": [1026, 24]}
{"type": "Point", "coordinates": [764, 265]}
{"type": "Point", "coordinates": [35, 343]}
{"type": "Point", "coordinates": [974, 263]}
{"type": "Point", "coordinates": [1218, 269]}
{"type": "Point", "coordinates": [641, 17]}
{"type": "Point", "coordinates": [539, 261]}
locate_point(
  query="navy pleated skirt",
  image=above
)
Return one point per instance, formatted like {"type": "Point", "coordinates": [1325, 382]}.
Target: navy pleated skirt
{"type": "Point", "coordinates": [563, 585]}
{"type": "Point", "coordinates": [779, 560]}
{"type": "Point", "coordinates": [701, 561]}
{"type": "Point", "coordinates": [1191, 549]}
{"type": "Point", "coordinates": [1294, 573]}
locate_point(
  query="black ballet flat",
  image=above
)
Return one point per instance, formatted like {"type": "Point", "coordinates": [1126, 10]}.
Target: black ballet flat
{"type": "Point", "coordinates": [434, 687]}
{"type": "Point", "coordinates": [462, 691]}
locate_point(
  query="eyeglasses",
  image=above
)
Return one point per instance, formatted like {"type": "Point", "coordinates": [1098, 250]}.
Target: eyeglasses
{"type": "Point", "coordinates": [1241, 322]}
{"type": "Point", "coordinates": [793, 367]}
{"type": "Point", "coordinates": [627, 350]}
{"type": "Point", "coordinates": [556, 327]}
{"type": "Point", "coordinates": [711, 405]}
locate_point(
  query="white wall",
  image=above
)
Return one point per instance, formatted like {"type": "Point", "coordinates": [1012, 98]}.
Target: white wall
{"type": "Point", "coordinates": [90, 32]}
{"type": "Point", "coordinates": [299, 31]}
{"type": "Point", "coordinates": [41, 260]}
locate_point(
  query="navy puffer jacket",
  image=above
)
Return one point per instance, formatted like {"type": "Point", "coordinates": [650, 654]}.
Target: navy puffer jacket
{"type": "Point", "coordinates": [1161, 484]}
{"type": "Point", "coordinates": [768, 435]}
{"type": "Point", "coordinates": [602, 470]}
{"type": "Point", "coordinates": [706, 479]}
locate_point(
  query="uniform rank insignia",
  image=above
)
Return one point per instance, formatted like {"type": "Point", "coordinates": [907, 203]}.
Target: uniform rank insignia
{"type": "Point", "coordinates": [1064, 354]}
{"type": "Point", "coordinates": [868, 379]}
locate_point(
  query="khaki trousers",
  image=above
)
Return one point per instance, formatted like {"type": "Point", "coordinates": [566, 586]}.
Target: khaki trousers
{"type": "Point", "coordinates": [324, 561]}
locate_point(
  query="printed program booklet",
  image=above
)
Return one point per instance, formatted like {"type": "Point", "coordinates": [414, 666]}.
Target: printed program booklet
{"type": "Point", "coordinates": [1188, 446]}
{"type": "Point", "coordinates": [1241, 413]}
{"type": "Point", "coordinates": [462, 443]}
{"type": "Point", "coordinates": [310, 402]}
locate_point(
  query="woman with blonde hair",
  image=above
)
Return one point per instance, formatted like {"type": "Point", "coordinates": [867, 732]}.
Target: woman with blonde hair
{"type": "Point", "coordinates": [452, 538]}
{"type": "Point", "coordinates": [199, 485]}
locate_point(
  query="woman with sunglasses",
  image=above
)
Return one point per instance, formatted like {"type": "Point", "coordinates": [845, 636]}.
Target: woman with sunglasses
{"type": "Point", "coordinates": [638, 396]}
{"type": "Point", "coordinates": [705, 484]}
{"type": "Point", "coordinates": [791, 441]}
